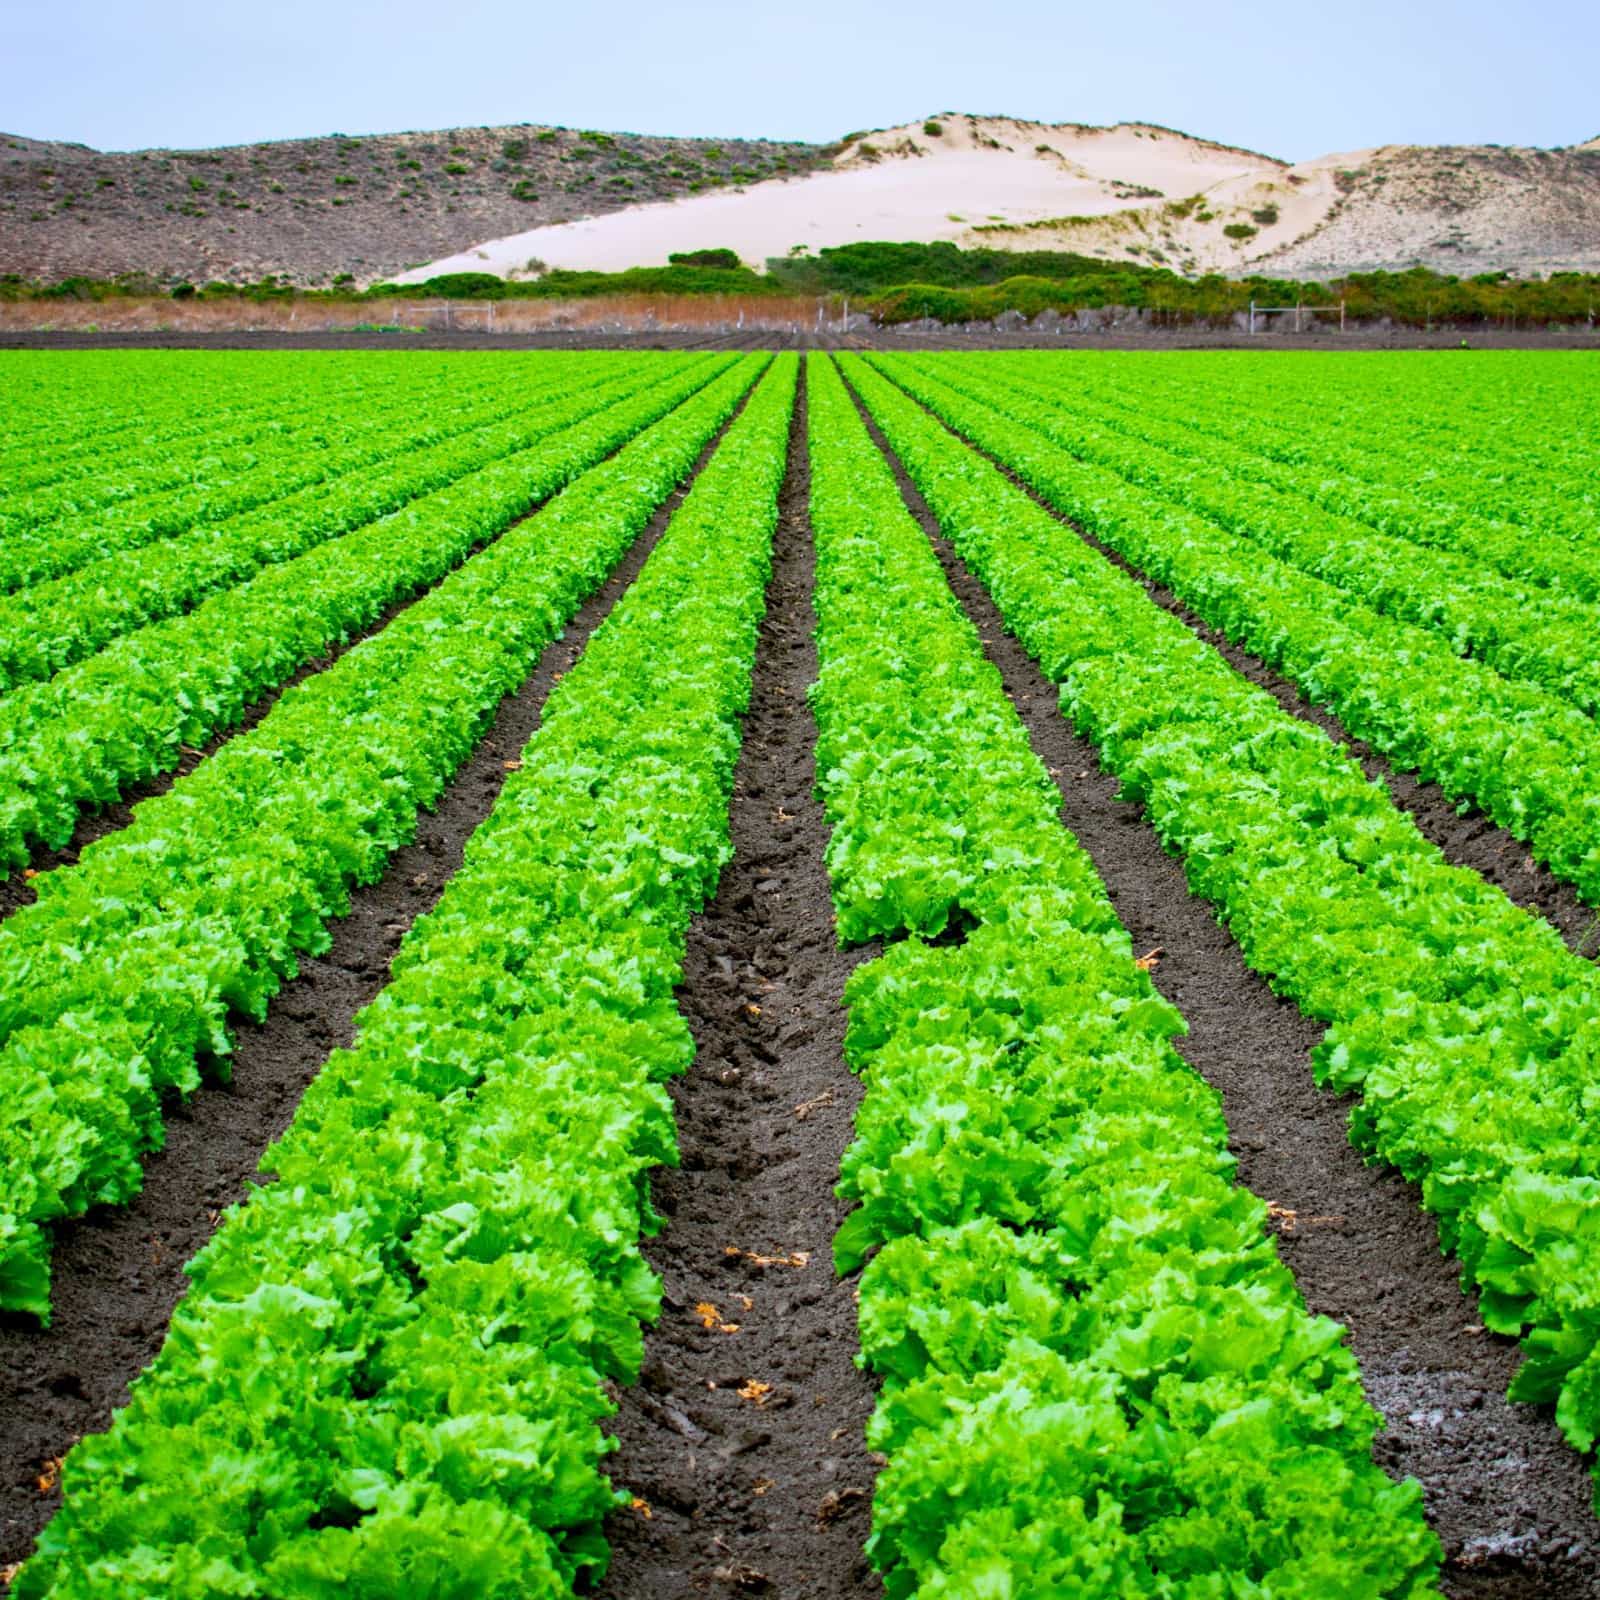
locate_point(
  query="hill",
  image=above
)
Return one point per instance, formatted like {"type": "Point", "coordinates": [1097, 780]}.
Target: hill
{"type": "Point", "coordinates": [516, 200]}
{"type": "Point", "coordinates": [313, 209]}
{"type": "Point", "coordinates": [1134, 192]}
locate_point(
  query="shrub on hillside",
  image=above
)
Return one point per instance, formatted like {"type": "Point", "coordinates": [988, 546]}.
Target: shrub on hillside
{"type": "Point", "coordinates": [706, 258]}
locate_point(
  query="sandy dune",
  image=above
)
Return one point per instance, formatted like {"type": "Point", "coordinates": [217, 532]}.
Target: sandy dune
{"type": "Point", "coordinates": [1124, 191]}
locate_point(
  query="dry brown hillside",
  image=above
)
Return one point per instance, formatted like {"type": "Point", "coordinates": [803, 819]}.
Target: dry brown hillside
{"type": "Point", "coordinates": [1463, 209]}
{"type": "Point", "coordinates": [507, 199]}
{"type": "Point", "coordinates": [311, 209]}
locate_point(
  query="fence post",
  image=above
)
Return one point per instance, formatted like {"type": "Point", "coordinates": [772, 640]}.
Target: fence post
{"type": "Point", "coordinates": [1252, 316]}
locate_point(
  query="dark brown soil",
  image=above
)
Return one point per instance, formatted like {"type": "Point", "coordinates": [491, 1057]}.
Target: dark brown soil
{"type": "Point", "coordinates": [1508, 1498]}
{"type": "Point", "coordinates": [118, 1272]}
{"type": "Point", "coordinates": [745, 1448]}
{"type": "Point", "coordinates": [981, 336]}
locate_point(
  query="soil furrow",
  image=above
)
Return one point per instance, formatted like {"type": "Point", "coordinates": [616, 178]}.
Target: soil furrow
{"type": "Point", "coordinates": [743, 1441]}
{"type": "Point", "coordinates": [118, 1272]}
{"type": "Point", "coordinates": [1508, 1498]}
{"type": "Point", "coordinates": [1064, 335]}
{"type": "Point", "coordinates": [17, 890]}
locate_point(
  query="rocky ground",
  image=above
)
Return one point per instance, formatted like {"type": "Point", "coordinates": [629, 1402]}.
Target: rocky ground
{"type": "Point", "coordinates": [313, 209]}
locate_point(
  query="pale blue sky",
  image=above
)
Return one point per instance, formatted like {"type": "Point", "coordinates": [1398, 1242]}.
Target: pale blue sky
{"type": "Point", "coordinates": [1296, 81]}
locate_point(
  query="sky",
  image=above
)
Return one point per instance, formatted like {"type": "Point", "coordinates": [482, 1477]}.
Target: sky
{"type": "Point", "coordinates": [1292, 82]}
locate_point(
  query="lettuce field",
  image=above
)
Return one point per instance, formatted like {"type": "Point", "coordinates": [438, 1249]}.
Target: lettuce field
{"type": "Point", "coordinates": [952, 975]}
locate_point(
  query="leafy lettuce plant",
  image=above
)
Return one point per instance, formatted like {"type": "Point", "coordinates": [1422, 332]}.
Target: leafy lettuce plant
{"type": "Point", "coordinates": [1471, 1032]}
{"type": "Point", "coordinates": [116, 986]}
{"type": "Point", "coordinates": [1097, 1376]}
{"type": "Point", "coordinates": [390, 1372]}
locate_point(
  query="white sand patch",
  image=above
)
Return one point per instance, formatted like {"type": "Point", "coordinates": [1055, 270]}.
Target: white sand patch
{"type": "Point", "coordinates": [1133, 193]}
{"type": "Point", "coordinates": [903, 184]}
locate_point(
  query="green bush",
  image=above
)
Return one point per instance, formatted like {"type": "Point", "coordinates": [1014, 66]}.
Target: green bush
{"type": "Point", "coordinates": [463, 286]}
{"type": "Point", "coordinates": [1240, 230]}
{"type": "Point", "coordinates": [706, 258]}
{"type": "Point", "coordinates": [515, 149]}
{"type": "Point", "coordinates": [933, 129]}
{"type": "Point", "coordinates": [1266, 215]}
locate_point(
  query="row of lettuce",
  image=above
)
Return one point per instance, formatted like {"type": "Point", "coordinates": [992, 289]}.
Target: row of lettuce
{"type": "Point", "coordinates": [389, 1374]}
{"type": "Point", "coordinates": [1427, 693]}
{"type": "Point", "coordinates": [1097, 1377]}
{"type": "Point", "coordinates": [1463, 446]}
{"type": "Point", "coordinates": [1513, 615]}
{"type": "Point", "coordinates": [125, 494]}
{"type": "Point", "coordinates": [129, 711]}
{"type": "Point", "coordinates": [51, 622]}
{"type": "Point", "coordinates": [196, 413]}
{"type": "Point", "coordinates": [116, 985]}
{"type": "Point", "coordinates": [1470, 1030]}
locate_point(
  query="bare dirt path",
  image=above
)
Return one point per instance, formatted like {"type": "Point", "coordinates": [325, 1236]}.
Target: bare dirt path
{"type": "Point", "coordinates": [743, 1441]}
{"type": "Point", "coordinates": [1507, 1496]}
{"type": "Point", "coordinates": [118, 1272]}
{"type": "Point", "coordinates": [908, 336]}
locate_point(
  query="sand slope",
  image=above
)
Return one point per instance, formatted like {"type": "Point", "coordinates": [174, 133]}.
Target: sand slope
{"type": "Point", "coordinates": [1133, 192]}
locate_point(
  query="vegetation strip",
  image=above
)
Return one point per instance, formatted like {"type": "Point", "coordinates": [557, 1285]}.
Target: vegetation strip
{"type": "Point", "coordinates": [448, 1269]}
{"type": "Point", "coordinates": [60, 1383]}
{"type": "Point", "coordinates": [1529, 760]}
{"type": "Point", "coordinates": [1298, 454]}
{"type": "Point", "coordinates": [1525, 633]}
{"type": "Point", "coordinates": [186, 405]}
{"type": "Point", "coordinates": [97, 728]}
{"type": "Point", "coordinates": [1045, 1183]}
{"type": "Point", "coordinates": [1509, 1500]}
{"type": "Point", "coordinates": [116, 985]}
{"type": "Point", "coordinates": [1473, 1034]}
{"type": "Point", "coordinates": [1506, 445]}
{"type": "Point", "coordinates": [55, 623]}
{"type": "Point", "coordinates": [350, 441]}
{"type": "Point", "coordinates": [743, 1443]}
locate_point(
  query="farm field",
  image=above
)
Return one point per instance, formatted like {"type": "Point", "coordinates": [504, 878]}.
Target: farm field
{"type": "Point", "coordinates": [920, 974]}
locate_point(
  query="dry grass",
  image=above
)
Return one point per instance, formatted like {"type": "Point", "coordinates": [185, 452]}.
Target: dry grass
{"type": "Point", "coordinates": [608, 314]}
